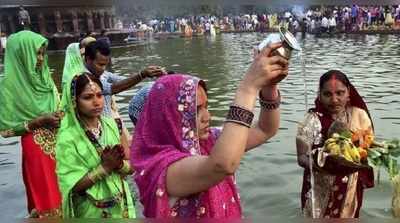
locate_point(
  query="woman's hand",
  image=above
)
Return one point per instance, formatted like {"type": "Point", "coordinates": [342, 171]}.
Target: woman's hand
{"type": "Point", "coordinates": [49, 121]}
{"type": "Point", "coordinates": [120, 149]}
{"type": "Point", "coordinates": [112, 159]}
{"type": "Point", "coordinates": [266, 70]}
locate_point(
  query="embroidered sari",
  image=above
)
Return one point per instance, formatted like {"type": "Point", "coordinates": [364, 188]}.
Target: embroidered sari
{"type": "Point", "coordinates": [338, 191]}
{"type": "Point", "coordinates": [77, 154]}
{"type": "Point", "coordinates": [165, 133]}
{"type": "Point", "coordinates": [27, 93]}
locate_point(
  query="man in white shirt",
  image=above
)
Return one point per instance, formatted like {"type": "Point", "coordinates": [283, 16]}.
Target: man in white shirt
{"type": "Point", "coordinates": [207, 27]}
{"type": "Point", "coordinates": [287, 15]}
{"type": "Point", "coordinates": [3, 42]}
{"type": "Point", "coordinates": [332, 24]}
{"type": "Point", "coordinates": [296, 25]}
{"type": "Point", "coordinates": [324, 24]}
{"type": "Point", "coordinates": [24, 18]}
{"type": "Point", "coordinates": [312, 26]}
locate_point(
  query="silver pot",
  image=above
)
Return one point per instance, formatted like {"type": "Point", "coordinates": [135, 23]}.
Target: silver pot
{"type": "Point", "coordinates": [289, 43]}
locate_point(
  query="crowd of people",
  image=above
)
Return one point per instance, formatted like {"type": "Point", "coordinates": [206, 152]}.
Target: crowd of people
{"type": "Point", "coordinates": [78, 155]}
{"type": "Point", "coordinates": [353, 18]}
{"type": "Point", "coordinates": [318, 20]}
{"type": "Point", "coordinates": [314, 20]}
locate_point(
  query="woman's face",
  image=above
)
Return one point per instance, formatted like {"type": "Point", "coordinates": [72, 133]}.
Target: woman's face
{"type": "Point", "coordinates": [334, 96]}
{"type": "Point", "coordinates": [82, 52]}
{"type": "Point", "coordinates": [40, 57]}
{"type": "Point", "coordinates": [203, 116]}
{"type": "Point", "coordinates": [91, 101]}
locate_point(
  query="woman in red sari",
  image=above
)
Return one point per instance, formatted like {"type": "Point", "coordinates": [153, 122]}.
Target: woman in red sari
{"type": "Point", "coordinates": [28, 99]}
{"type": "Point", "coordinates": [338, 190]}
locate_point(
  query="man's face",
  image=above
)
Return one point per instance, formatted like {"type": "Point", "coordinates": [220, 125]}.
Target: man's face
{"type": "Point", "coordinates": [98, 65]}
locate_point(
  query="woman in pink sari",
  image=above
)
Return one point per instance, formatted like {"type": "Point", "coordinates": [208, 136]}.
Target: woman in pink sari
{"type": "Point", "coordinates": [183, 167]}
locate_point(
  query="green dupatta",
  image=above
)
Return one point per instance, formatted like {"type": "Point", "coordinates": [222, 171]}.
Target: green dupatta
{"type": "Point", "coordinates": [73, 63]}
{"type": "Point", "coordinates": [76, 156]}
{"type": "Point", "coordinates": [25, 92]}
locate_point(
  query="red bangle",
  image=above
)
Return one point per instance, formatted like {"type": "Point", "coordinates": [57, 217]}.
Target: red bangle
{"type": "Point", "coordinates": [270, 104]}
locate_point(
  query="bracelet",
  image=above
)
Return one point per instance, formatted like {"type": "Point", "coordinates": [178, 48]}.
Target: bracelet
{"type": "Point", "coordinates": [240, 116]}
{"type": "Point", "coordinates": [270, 104]}
{"type": "Point", "coordinates": [97, 174]}
{"type": "Point", "coordinates": [126, 167]}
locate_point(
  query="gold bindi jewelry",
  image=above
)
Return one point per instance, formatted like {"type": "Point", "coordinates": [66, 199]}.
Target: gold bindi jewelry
{"type": "Point", "coordinates": [92, 85]}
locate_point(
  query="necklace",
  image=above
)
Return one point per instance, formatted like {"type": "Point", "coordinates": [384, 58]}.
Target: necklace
{"type": "Point", "coordinates": [95, 131]}
{"type": "Point", "coordinates": [343, 116]}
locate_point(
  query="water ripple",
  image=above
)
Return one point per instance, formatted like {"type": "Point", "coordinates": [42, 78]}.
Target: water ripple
{"type": "Point", "coordinates": [269, 177]}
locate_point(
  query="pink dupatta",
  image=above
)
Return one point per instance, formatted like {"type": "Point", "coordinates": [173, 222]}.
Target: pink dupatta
{"type": "Point", "coordinates": [165, 133]}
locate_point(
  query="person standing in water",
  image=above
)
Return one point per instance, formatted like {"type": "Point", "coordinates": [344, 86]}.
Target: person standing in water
{"type": "Point", "coordinates": [338, 189]}
{"type": "Point", "coordinates": [32, 114]}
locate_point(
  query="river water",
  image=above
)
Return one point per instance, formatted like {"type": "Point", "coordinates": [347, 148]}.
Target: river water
{"type": "Point", "coordinates": [269, 177]}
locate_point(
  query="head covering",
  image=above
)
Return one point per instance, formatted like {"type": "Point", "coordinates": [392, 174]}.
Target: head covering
{"type": "Point", "coordinates": [73, 62]}
{"type": "Point", "coordinates": [137, 102]}
{"type": "Point", "coordinates": [87, 40]}
{"type": "Point", "coordinates": [165, 133]}
{"type": "Point", "coordinates": [26, 92]}
{"type": "Point", "coordinates": [355, 100]}
{"type": "Point", "coordinates": [76, 155]}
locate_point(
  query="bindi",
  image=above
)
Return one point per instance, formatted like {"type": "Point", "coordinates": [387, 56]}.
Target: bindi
{"type": "Point", "coordinates": [334, 83]}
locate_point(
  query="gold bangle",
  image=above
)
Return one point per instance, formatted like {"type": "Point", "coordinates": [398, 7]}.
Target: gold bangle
{"type": "Point", "coordinates": [97, 174]}
{"type": "Point", "coordinates": [101, 171]}
{"type": "Point", "coordinates": [92, 176]}
{"type": "Point", "coordinates": [126, 167]}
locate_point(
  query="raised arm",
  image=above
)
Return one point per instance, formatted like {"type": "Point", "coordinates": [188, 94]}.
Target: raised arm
{"type": "Point", "coordinates": [195, 174]}
{"type": "Point", "coordinates": [269, 118]}
{"type": "Point", "coordinates": [134, 79]}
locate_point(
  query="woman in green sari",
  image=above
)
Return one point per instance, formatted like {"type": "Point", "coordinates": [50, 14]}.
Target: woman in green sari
{"type": "Point", "coordinates": [90, 160]}
{"type": "Point", "coordinates": [28, 104]}
{"type": "Point", "coordinates": [73, 63]}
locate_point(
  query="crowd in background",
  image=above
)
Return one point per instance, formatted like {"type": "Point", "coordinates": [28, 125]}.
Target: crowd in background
{"type": "Point", "coordinates": [321, 19]}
